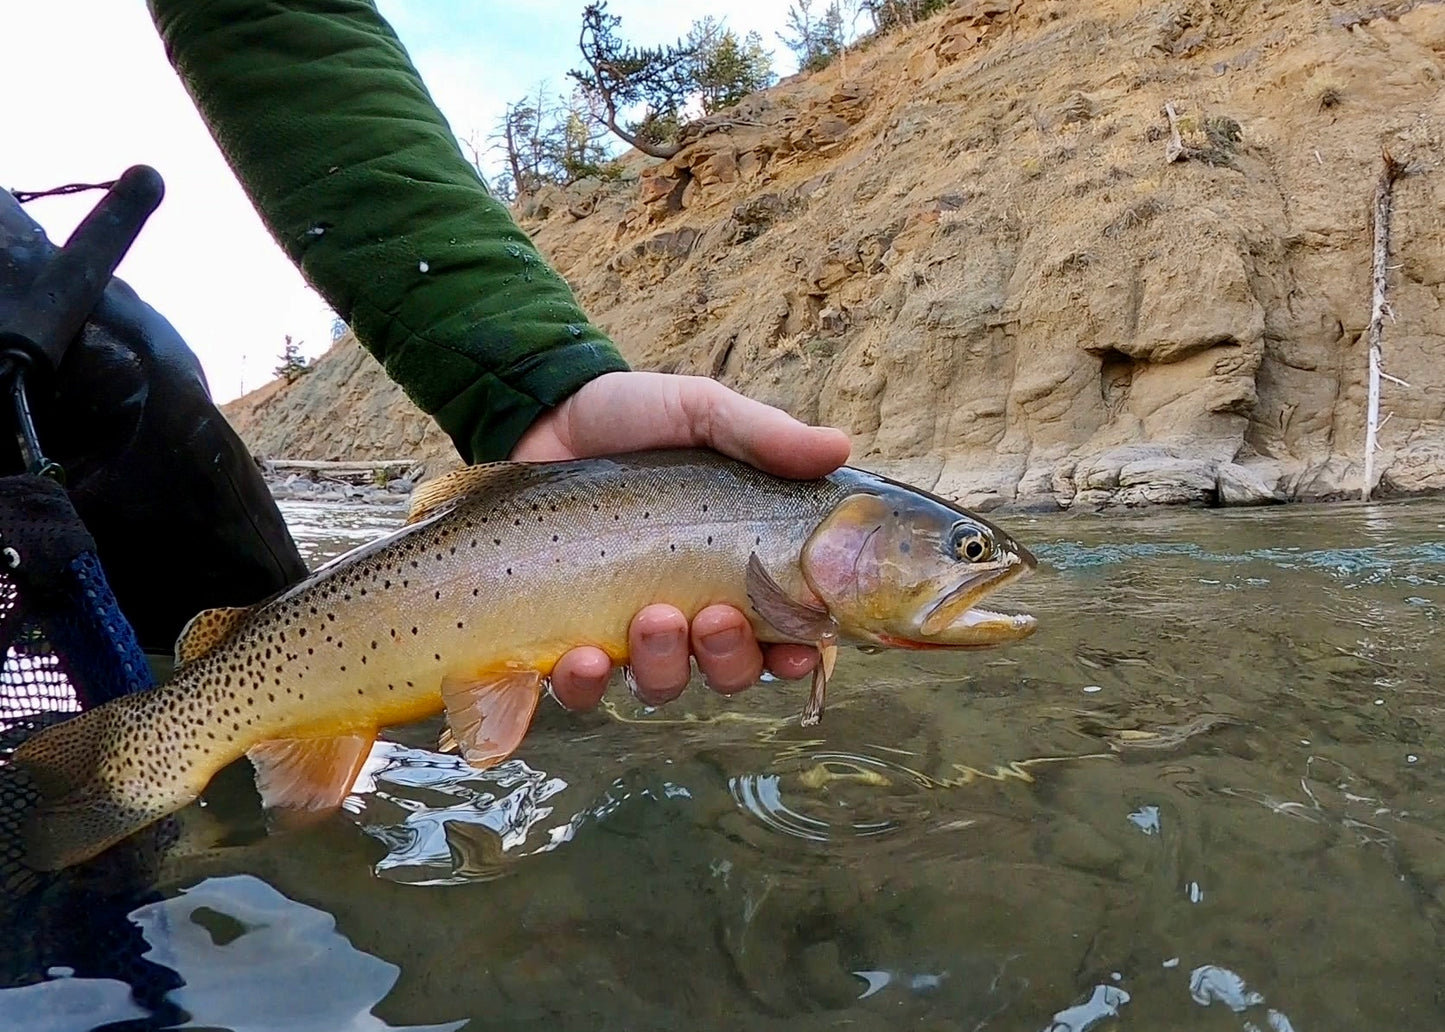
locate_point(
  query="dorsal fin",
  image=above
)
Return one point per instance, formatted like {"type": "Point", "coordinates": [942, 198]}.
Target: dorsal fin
{"type": "Point", "coordinates": [429, 497]}
{"type": "Point", "coordinates": [207, 629]}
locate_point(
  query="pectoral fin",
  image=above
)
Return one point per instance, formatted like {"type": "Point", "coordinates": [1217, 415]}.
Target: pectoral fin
{"type": "Point", "coordinates": [489, 713]}
{"type": "Point", "coordinates": [813, 711]}
{"type": "Point", "coordinates": [797, 620]}
{"type": "Point", "coordinates": [308, 774]}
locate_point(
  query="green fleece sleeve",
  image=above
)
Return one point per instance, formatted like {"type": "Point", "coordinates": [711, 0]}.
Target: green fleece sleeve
{"type": "Point", "coordinates": [319, 111]}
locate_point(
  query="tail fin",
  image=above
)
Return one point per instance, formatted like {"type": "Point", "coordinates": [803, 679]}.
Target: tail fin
{"type": "Point", "coordinates": [86, 804]}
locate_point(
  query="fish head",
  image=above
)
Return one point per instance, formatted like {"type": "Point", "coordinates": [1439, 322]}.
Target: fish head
{"type": "Point", "coordinates": [899, 567]}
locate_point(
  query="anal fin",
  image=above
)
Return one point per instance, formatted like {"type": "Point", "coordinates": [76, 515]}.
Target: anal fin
{"type": "Point", "coordinates": [489, 713]}
{"type": "Point", "coordinates": [308, 774]}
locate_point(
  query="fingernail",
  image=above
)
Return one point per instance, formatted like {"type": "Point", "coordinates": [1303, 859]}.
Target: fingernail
{"type": "Point", "coordinates": [722, 641]}
{"type": "Point", "coordinates": [662, 642]}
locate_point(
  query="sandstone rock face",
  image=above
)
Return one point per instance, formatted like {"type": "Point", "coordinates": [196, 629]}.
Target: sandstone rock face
{"type": "Point", "coordinates": [345, 408]}
{"type": "Point", "coordinates": [964, 245]}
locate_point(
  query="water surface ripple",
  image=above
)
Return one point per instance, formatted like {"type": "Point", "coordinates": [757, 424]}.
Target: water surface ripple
{"type": "Point", "coordinates": [1208, 794]}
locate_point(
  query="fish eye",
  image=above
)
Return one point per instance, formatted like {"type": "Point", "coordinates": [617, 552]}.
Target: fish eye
{"type": "Point", "coordinates": [969, 544]}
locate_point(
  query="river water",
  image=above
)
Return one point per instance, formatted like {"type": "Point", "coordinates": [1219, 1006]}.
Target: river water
{"type": "Point", "coordinates": [1208, 794]}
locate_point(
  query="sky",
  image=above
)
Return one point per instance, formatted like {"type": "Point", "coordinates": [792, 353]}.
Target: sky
{"type": "Point", "coordinates": [90, 92]}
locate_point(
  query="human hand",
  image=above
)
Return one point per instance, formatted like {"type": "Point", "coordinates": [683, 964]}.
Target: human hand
{"type": "Point", "coordinates": [631, 411]}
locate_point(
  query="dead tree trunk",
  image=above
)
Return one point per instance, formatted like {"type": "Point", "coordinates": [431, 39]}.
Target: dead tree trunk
{"type": "Point", "coordinates": [1379, 308]}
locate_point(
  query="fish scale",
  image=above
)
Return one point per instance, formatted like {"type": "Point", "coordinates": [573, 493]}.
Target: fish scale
{"type": "Point", "coordinates": [505, 568]}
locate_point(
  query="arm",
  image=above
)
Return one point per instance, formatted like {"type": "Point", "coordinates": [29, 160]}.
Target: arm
{"type": "Point", "coordinates": [328, 126]}
{"type": "Point", "coordinates": [356, 174]}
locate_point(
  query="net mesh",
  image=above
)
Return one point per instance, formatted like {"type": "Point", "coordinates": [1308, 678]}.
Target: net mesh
{"type": "Point", "coordinates": [66, 645]}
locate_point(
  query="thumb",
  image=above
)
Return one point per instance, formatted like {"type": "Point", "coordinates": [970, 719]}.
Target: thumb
{"type": "Point", "coordinates": [761, 435]}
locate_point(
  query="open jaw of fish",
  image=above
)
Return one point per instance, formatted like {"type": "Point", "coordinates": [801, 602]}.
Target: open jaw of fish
{"type": "Point", "coordinates": [958, 619]}
{"type": "Point", "coordinates": [500, 571]}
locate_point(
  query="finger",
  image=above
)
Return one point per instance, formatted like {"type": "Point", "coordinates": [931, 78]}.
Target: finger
{"type": "Point", "coordinates": [580, 678]}
{"type": "Point", "coordinates": [661, 665]}
{"type": "Point", "coordinates": [628, 411]}
{"type": "Point", "coordinates": [790, 662]}
{"type": "Point", "coordinates": [759, 434]}
{"type": "Point", "coordinates": [727, 653]}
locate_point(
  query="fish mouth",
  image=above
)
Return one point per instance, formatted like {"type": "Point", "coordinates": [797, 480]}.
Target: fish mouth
{"type": "Point", "coordinates": [955, 621]}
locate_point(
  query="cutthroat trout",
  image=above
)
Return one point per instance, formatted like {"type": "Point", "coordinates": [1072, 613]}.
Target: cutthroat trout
{"type": "Point", "coordinates": [500, 570]}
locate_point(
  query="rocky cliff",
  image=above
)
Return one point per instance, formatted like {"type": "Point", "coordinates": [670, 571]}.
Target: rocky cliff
{"type": "Point", "coordinates": [964, 244]}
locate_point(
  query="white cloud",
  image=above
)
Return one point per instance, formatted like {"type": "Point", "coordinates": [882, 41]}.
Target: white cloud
{"type": "Point", "coordinates": [92, 93]}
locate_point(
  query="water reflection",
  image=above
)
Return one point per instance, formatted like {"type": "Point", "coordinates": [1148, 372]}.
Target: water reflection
{"type": "Point", "coordinates": [64, 1003]}
{"type": "Point", "coordinates": [229, 936]}
{"type": "Point", "coordinates": [1209, 794]}
{"type": "Point", "coordinates": [444, 822]}
{"type": "Point", "coordinates": [248, 959]}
